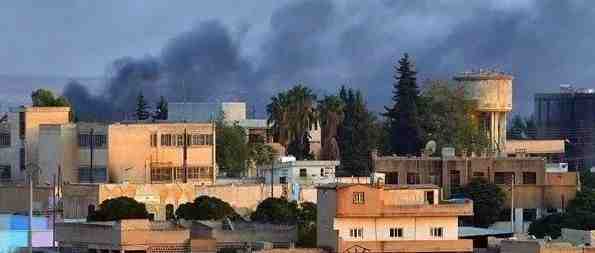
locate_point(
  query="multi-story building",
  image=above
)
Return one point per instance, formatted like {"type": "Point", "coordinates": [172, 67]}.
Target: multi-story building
{"type": "Point", "coordinates": [389, 218]}
{"type": "Point", "coordinates": [536, 191]}
{"type": "Point", "coordinates": [138, 152]}
{"type": "Point", "coordinates": [19, 138]}
{"type": "Point", "coordinates": [570, 116]}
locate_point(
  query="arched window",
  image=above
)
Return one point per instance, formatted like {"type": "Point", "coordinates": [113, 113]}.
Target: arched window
{"type": "Point", "coordinates": [169, 212]}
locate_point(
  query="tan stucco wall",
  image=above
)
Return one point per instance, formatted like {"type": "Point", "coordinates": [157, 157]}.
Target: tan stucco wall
{"type": "Point", "coordinates": [130, 148]}
{"type": "Point", "coordinates": [414, 228]}
{"type": "Point", "coordinates": [77, 197]}
{"type": "Point", "coordinates": [57, 147]}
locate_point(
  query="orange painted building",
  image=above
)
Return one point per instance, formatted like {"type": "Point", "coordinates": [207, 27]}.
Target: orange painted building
{"type": "Point", "coordinates": [383, 218]}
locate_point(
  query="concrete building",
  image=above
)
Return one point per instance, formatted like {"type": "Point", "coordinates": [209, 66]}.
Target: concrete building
{"type": "Point", "coordinates": [294, 175]}
{"type": "Point", "coordinates": [492, 92]}
{"type": "Point", "coordinates": [19, 138]}
{"type": "Point", "coordinates": [569, 115]}
{"type": "Point", "coordinates": [552, 150]}
{"type": "Point", "coordinates": [536, 191]}
{"type": "Point", "coordinates": [383, 218]}
{"type": "Point", "coordinates": [130, 236]}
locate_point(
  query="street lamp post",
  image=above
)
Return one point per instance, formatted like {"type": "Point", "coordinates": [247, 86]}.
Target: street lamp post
{"type": "Point", "coordinates": [31, 170]}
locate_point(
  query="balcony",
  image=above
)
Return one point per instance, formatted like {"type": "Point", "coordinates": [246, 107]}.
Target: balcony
{"type": "Point", "coordinates": [426, 210]}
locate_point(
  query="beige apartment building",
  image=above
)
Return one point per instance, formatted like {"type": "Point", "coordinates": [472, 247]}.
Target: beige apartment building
{"type": "Point", "coordinates": [20, 138]}
{"type": "Point", "coordinates": [84, 152]}
{"type": "Point", "coordinates": [389, 218]}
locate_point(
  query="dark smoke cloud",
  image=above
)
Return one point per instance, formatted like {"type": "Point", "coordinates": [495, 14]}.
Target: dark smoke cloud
{"type": "Point", "coordinates": [325, 44]}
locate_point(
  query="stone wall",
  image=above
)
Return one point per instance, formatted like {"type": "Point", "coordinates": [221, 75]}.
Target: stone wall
{"type": "Point", "coordinates": [244, 198]}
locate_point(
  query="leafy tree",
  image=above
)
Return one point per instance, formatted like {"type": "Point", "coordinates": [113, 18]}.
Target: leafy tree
{"type": "Point", "coordinates": [119, 209]}
{"type": "Point", "coordinates": [330, 110]}
{"type": "Point", "coordinates": [405, 131]}
{"type": "Point", "coordinates": [261, 153]}
{"type": "Point", "coordinates": [488, 200]}
{"type": "Point", "coordinates": [232, 148]}
{"type": "Point", "coordinates": [206, 208]}
{"type": "Point", "coordinates": [292, 115]}
{"type": "Point", "coordinates": [160, 109]}
{"type": "Point", "coordinates": [580, 215]}
{"type": "Point", "coordinates": [550, 225]}
{"type": "Point", "coordinates": [355, 134]}
{"type": "Point", "coordinates": [43, 97]}
{"type": "Point", "coordinates": [142, 108]}
{"type": "Point", "coordinates": [522, 128]}
{"type": "Point", "coordinates": [447, 117]}
{"type": "Point", "coordinates": [587, 179]}
{"type": "Point", "coordinates": [276, 211]}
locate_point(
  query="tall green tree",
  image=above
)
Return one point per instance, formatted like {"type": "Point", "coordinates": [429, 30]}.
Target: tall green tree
{"type": "Point", "coordinates": [405, 131]}
{"type": "Point", "coordinates": [261, 153]}
{"type": "Point", "coordinates": [447, 117]}
{"type": "Point", "coordinates": [580, 215]}
{"type": "Point", "coordinates": [43, 97]}
{"type": "Point", "coordinates": [355, 134]}
{"type": "Point", "coordinates": [330, 111]}
{"type": "Point", "coordinates": [488, 200]}
{"type": "Point", "coordinates": [232, 148]}
{"type": "Point", "coordinates": [160, 109]}
{"type": "Point", "coordinates": [292, 115]}
{"type": "Point", "coordinates": [142, 108]}
{"type": "Point", "coordinates": [522, 128]}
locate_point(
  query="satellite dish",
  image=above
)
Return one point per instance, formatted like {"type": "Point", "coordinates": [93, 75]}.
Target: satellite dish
{"type": "Point", "coordinates": [430, 147]}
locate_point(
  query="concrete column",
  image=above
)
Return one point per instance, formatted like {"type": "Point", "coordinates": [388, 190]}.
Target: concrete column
{"type": "Point", "coordinates": [518, 220]}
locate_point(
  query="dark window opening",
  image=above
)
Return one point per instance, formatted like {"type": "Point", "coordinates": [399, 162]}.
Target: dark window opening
{"type": "Point", "coordinates": [303, 173]}
{"type": "Point", "coordinates": [412, 178]}
{"type": "Point", "coordinates": [430, 197]}
{"type": "Point", "coordinates": [503, 177]}
{"type": "Point", "coordinates": [169, 212]}
{"type": "Point", "coordinates": [529, 178]}
{"type": "Point", "coordinates": [392, 178]}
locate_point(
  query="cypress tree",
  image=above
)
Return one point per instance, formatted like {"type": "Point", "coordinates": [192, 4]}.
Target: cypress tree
{"type": "Point", "coordinates": [405, 130]}
{"type": "Point", "coordinates": [160, 109]}
{"type": "Point", "coordinates": [142, 108]}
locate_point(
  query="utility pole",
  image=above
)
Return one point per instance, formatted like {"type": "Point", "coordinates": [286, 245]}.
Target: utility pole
{"type": "Point", "coordinates": [272, 178]}
{"type": "Point", "coordinates": [185, 156]}
{"type": "Point", "coordinates": [512, 204]}
{"type": "Point", "coordinates": [91, 147]}
{"type": "Point", "coordinates": [54, 199]}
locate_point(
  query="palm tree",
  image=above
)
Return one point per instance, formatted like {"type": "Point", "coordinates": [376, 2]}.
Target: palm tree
{"type": "Point", "coordinates": [331, 114]}
{"type": "Point", "coordinates": [292, 114]}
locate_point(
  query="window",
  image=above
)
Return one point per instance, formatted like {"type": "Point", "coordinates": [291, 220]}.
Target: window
{"type": "Point", "coordinates": [4, 172]}
{"type": "Point", "coordinates": [436, 232]}
{"type": "Point", "coordinates": [303, 173]}
{"type": "Point", "coordinates": [98, 140]}
{"type": "Point", "coordinates": [356, 233]}
{"type": "Point", "coordinates": [22, 125]}
{"type": "Point", "coordinates": [478, 174]}
{"type": "Point", "coordinates": [169, 212]}
{"type": "Point", "coordinates": [529, 178]}
{"type": "Point", "coordinates": [412, 178]}
{"type": "Point", "coordinates": [166, 140]}
{"type": "Point", "coordinates": [392, 178]}
{"type": "Point", "coordinates": [283, 180]}
{"type": "Point", "coordinates": [196, 172]}
{"type": "Point", "coordinates": [22, 162]}
{"type": "Point", "coordinates": [529, 214]}
{"type": "Point", "coordinates": [4, 139]}
{"type": "Point", "coordinates": [396, 232]}
{"type": "Point", "coordinates": [153, 140]}
{"type": "Point", "coordinates": [455, 178]}
{"type": "Point", "coordinates": [322, 174]}
{"type": "Point", "coordinates": [161, 174]}
{"type": "Point", "coordinates": [180, 138]}
{"type": "Point", "coordinates": [358, 198]}
{"type": "Point", "coordinates": [198, 140]}
{"type": "Point", "coordinates": [208, 139]}
{"type": "Point", "coordinates": [429, 197]}
{"type": "Point", "coordinates": [503, 177]}
{"type": "Point", "coordinates": [99, 175]}
{"type": "Point", "coordinates": [179, 176]}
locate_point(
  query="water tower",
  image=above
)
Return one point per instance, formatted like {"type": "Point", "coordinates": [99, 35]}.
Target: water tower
{"type": "Point", "coordinates": [492, 92]}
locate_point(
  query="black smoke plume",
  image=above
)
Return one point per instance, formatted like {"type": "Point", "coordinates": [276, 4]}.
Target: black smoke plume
{"type": "Point", "coordinates": [325, 44]}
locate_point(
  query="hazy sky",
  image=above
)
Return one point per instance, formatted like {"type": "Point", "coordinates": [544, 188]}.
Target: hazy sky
{"type": "Point", "coordinates": [261, 47]}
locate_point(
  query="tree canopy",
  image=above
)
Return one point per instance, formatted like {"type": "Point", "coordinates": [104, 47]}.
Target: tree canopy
{"type": "Point", "coordinates": [488, 200]}
{"type": "Point", "coordinates": [43, 97]}
{"type": "Point", "coordinates": [405, 130]}
{"type": "Point", "coordinates": [355, 133]}
{"type": "Point", "coordinates": [447, 118]}
{"type": "Point", "coordinates": [118, 209]}
{"type": "Point", "coordinates": [331, 113]}
{"type": "Point", "coordinates": [160, 109]}
{"type": "Point", "coordinates": [206, 208]}
{"type": "Point", "coordinates": [233, 151]}
{"type": "Point", "coordinates": [580, 215]}
{"type": "Point", "coordinates": [142, 108]}
{"type": "Point", "coordinates": [522, 128]}
{"type": "Point", "coordinates": [293, 114]}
